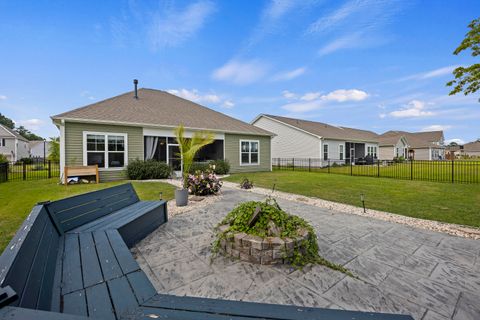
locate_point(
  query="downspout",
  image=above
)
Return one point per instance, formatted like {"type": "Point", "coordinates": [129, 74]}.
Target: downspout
{"type": "Point", "coordinates": [62, 148]}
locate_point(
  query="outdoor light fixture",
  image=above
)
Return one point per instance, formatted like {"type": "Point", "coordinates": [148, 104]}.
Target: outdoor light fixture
{"type": "Point", "coordinates": [362, 198]}
{"type": "Point", "coordinates": [161, 195]}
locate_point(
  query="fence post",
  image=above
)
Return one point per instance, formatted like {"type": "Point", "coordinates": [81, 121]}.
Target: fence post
{"type": "Point", "coordinates": [328, 166]}
{"type": "Point", "coordinates": [293, 164]}
{"type": "Point", "coordinates": [49, 169]}
{"type": "Point", "coordinates": [453, 171]}
{"type": "Point", "coordinates": [411, 169]}
{"type": "Point", "coordinates": [309, 164]}
{"type": "Point", "coordinates": [8, 171]}
{"type": "Point", "coordinates": [378, 168]}
{"type": "Point", "coordinates": [24, 170]}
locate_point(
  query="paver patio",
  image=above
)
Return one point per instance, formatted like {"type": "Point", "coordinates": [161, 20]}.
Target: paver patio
{"type": "Point", "coordinates": [401, 269]}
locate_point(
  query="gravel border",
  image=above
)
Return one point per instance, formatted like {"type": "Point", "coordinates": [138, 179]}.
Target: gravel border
{"type": "Point", "coordinates": [449, 228]}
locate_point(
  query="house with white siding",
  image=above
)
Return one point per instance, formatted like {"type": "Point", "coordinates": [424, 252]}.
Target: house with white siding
{"type": "Point", "coordinates": [392, 146]}
{"type": "Point", "coordinates": [296, 138]}
{"type": "Point", "coordinates": [427, 145]}
{"type": "Point", "coordinates": [12, 145]}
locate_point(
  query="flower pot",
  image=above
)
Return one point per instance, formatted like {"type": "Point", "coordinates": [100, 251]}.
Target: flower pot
{"type": "Point", "coordinates": [181, 197]}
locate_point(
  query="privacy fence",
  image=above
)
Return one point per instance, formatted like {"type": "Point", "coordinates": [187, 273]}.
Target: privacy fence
{"type": "Point", "coordinates": [32, 169]}
{"type": "Point", "coordinates": [453, 171]}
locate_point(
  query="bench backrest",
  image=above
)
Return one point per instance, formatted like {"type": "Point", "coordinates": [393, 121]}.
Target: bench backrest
{"type": "Point", "coordinates": [75, 211]}
{"type": "Point", "coordinates": [28, 263]}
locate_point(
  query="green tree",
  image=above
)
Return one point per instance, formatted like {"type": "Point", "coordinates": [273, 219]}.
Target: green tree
{"type": "Point", "coordinates": [189, 148]}
{"type": "Point", "coordinates": [7, 122]}
{"type": "Point", "coordinates": [54, 154]}
{"type": "Point", "coordinates": [467, 79]}
{"type": "Point", "coordinates": [27, 134]}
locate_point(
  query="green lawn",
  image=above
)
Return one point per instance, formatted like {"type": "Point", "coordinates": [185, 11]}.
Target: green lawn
{"type": "Point", "coordinates": [18, 198]}
{"type": "Point", "coordinates": [453, 203]}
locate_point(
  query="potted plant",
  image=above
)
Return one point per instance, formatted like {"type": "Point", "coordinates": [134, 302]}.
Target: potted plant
{"type": "Point", "coordinates": [188, 149]}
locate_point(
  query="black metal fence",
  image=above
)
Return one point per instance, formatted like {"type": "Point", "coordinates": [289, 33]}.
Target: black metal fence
{"type": "Point", "coordinates": [453, 171]}
{"type": "Point", "coordinates": [31, 169]}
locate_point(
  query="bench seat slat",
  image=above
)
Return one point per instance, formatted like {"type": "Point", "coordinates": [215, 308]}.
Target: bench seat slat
{"type": "Point", "coordinates": [123, 255]}
{"type": "Point", "coordinates": [92, 274]}
{"type": "Point", "coordinates": [98, 302]}
{"type": "Point", "coordinates": [118, 218]}
{"type": "Point", "coordinates": [110, 267]}
{"type": "Point", "coordinates": [14, 313]}
{"type": "Point", "coordinates": [146, 313]}
{"type": "Point", "coordinates": [75, 303]}
{"type": "Point", "coordinates": [141, 285]}
{"type": "Point", "coordinates": [72, 271]}
{"type": "Point", "coordinates": [123, 299]}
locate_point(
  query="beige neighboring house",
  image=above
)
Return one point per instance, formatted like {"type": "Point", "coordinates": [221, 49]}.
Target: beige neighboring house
{"type": "Point", "coordinates": [471, 149]}
{"type": "Point", "coordinates": [297, 138]}
{"type": "Point", "coordinates": [140, 125]}
{"type": "Point", "coordinates": [392, 146]}
{"type": "Point", "coordinates": [427, 145]}
{"type": "Point", "coordinates": [13, 145]}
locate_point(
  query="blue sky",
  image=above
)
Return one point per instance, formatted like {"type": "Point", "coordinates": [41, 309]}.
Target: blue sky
{"type": "Point", "coordinates": [377, 65]}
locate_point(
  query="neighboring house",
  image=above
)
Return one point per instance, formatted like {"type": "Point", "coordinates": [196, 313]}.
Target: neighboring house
{"type": "Point", "coordinates": [13, 145]}
{"type": "Point", "coordinates": [296, 138]}
{"type": "Point", "coordinates": [115, 131]}
{"type": "Point", "coordinates": [471, 149]}
{"type": "Point", "coordinates": [392, 146]}
{"type": "Point", "coordinates": [427, 145]}
{"type": "Point", "coordinates": [39, 149]}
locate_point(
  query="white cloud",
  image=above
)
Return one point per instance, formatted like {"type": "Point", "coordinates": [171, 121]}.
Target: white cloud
{"type": "Point", "coordinates": [228, 104]}
{"type": "Point", "coordinates": [171, 28]}
{"type": "Point", "coordinates": [456, 140]}
{"type": "Point", "coordinates": [431, 74]}
{"type": "Point", "coordinates": [413, 109]}
{"type": "Point", "coordinates": [31, 124]}
{"type": "Point", "coordinates": [289, 75]}
{"type": "Point", "coordinates": [382, 115]}
{"type": "Point", "coordinates": [87, 95]}
{"type": "Point", "coordinates": [314, 100]}
{"type": "Point", "coordinates": [2, 97]}
{"type": "Point", "coordinates": [241, 72]}
{"type": "Point", "coordinates": [437, 127]}
{"type": "Point", "coordinates": [288, 95]}
{"type": "Point", "coordinates": [309, 96]}
{"type": "Point", "coordinates": [195, 96]}
{"type": "Point", "coordinates": [345, 42]}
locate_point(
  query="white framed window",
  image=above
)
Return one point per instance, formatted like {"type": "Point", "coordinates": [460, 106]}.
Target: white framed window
{"type": "Point", "coordinates": [2, 142]}
{"type": "Point", "coordinates": [325, 151]}
{"type": "Point", "coordinates": [341, 151]}
{"type": "Point", "coordinates": [249, 152]}
{"type": "Point", "coordinates": [105, 149]}
{"type": "Point", "coordinates": [375, 152]}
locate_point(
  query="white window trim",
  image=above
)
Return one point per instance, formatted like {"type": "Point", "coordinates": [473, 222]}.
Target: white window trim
{"type": "Point", "coordinates": [106, 134]}
{"type": "Point", "coordinates": [341, 151]}
{"type": "Point", "coordinates": [249, 153]}
{"type": "Point", "coordinates": [323, 152]}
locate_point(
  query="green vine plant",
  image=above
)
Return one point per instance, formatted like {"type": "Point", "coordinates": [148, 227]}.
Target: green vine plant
{"type": "Point", "coordinates": [305, 252]}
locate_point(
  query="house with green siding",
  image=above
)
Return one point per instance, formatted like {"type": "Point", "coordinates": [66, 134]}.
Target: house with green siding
{"type": "Point", "coordinates": [140, 125]}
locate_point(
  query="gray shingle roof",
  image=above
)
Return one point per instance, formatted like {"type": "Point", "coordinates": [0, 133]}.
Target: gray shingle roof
{"type": "Point", "coordinates": [15, 133]}
{"type": "Point", "coordinates": [418, 139]}
{"type": "Point", "coordinates": [328, 131]}
{"type": "Point", "coordinates": [159, 108]}
{"type": "Point", "coordinates": [472, 146]}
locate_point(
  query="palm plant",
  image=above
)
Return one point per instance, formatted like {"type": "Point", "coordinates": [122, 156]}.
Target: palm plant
{"type": "Point", "coordinates": [189, 148]}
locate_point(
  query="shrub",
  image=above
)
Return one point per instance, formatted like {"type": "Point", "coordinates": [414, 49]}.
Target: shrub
{"type": "Point", "coordinates": [399, 159]}
{"type": "Point", "coordinates": [25, 160]}
{"type": "Point", "coordinates": [199, 166]}
{"type": "Point", "coordinates": [246, 184]}
{"type": "Point", "coordinates": [150, 169]}
{"type": "Point", "coordinates": [221, 166]}
{"type": "Point", "coordinates": [3, 158]}
{"type": "Point", "coordinates": [203, 184]}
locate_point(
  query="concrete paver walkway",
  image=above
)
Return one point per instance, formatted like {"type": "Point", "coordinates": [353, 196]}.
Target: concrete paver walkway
{"type": "Point", "coordinates": [401, 269]}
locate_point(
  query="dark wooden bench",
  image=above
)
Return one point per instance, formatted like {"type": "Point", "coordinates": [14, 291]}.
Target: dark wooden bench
{"type": "Point", "coordinates": [70, 260]}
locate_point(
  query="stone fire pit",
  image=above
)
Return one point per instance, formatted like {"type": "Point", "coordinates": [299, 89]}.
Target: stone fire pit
{"type": "Point", "coordinates": [255, 249]}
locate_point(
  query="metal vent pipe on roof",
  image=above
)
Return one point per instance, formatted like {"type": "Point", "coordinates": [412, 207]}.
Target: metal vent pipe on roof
{"type": "Point", "coordinates": [135, 82]}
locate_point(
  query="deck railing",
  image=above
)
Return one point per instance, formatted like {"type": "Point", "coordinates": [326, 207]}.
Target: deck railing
{"type": "Point", "coordinates": [453, 171]}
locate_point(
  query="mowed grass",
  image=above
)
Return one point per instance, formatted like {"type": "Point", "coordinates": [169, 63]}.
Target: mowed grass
{"type": "Point", "coordinates": [18, 198]}
{"type": "Point", "coordinates": [446, 202]}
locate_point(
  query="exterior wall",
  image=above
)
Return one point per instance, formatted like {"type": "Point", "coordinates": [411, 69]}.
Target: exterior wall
{"type": "Point", "coordinates": [9, 149]}
{"type": "Point", "coordinates": [401, 149]}
{"type": "Point", "coordinates": [37, 150]}
{"type": "Point", "coordinates": [471, 153]}
{"type": "Point", "coordinates": [74, 145]}
{"type": "Point", "coordinates": [23, 149]}
{"type": "Point", "coordinates": [386, 153]}
{"type": "Point", "coordinates": [333, 151]}
{"type": "Point", "coordinates": [422, 154]}
{"type": "Point", "coordinates": [369, 144]}
{"type": "Point", "coordinates": [232, 153]}
{"type": "Point", "coordinates": [290, 142]}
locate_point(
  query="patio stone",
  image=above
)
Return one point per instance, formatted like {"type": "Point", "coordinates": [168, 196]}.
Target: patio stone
{"type": "Point", "coordinates": [401, 269]}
